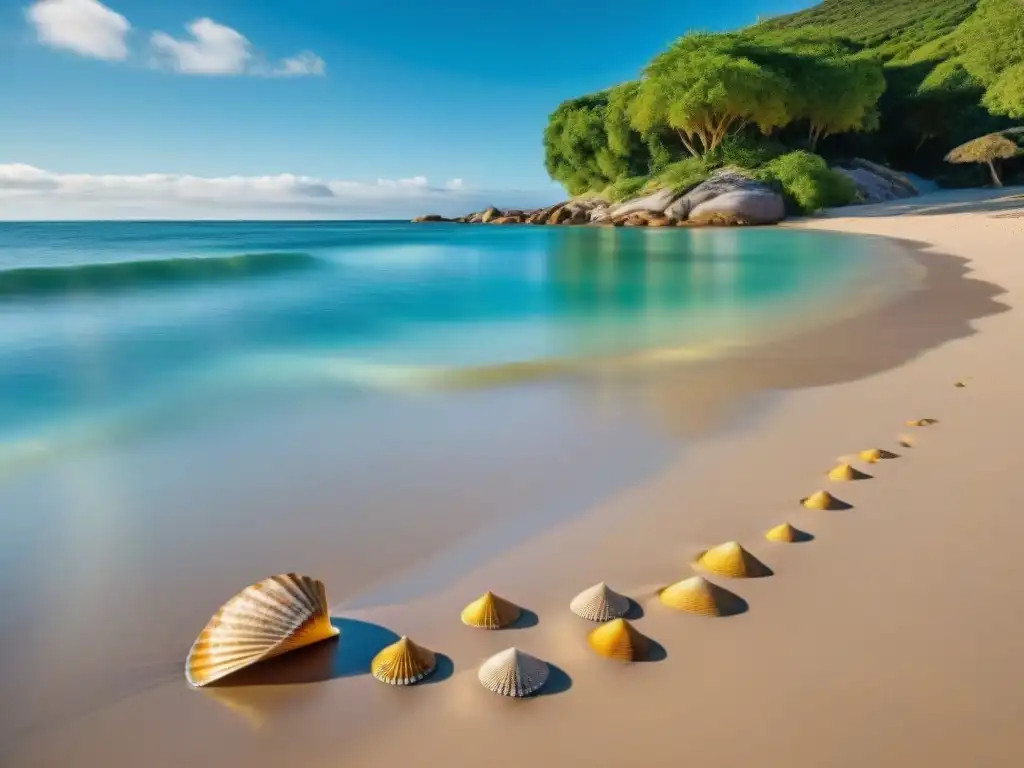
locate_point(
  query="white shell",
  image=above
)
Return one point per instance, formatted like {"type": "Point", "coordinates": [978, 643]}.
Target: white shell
{"type": "Point", "coordinates": [599, 603]}
{"type": "Point", "coordinates": [513, 673]}
{"type": "Point", "coordinates": [267, 619]}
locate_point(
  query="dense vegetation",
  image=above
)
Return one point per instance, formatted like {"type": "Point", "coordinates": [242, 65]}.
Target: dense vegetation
{"type": "Point", "coordinates": [900, 82]}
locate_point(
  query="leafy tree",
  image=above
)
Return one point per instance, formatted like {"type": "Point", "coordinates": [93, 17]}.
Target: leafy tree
{"type": "Point", "coordinates": [704, 88]}
{"type": "Point", "coordinates": [991, 44]}
{"type": "Point", "coordinates": [985, 149]}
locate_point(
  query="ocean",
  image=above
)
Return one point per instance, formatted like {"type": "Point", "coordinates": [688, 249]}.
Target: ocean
{"type": "Point", "coordinates": [188, 407]}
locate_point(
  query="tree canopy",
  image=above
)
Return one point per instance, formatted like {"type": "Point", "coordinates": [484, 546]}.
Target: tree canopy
{"type": "Point", "coordinates": [985, 149]}
{"type": "Point", "coordinates": [991, 46]}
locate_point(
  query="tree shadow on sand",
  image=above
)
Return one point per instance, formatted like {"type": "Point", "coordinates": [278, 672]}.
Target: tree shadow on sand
{"type": "Point", "coordinates": [346, 655]}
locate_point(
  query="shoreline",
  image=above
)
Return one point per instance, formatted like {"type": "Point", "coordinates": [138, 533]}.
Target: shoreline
{"type": "Point", "coordinates": [717, 671]}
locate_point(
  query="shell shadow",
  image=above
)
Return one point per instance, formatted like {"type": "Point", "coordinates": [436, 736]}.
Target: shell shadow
{"type": "Point", "coordinates": [346, 655]}
{"type": "Point", "coordinates": [655, 652]}
{"type": "Point", "coordinates": [634, 612]}
{"type": "Point", "coordinates": [835, 505]}
{"type": "Point", "coordinates": [558, 682]}
{"type": "Point", "coordinates": [444, 670]}
{"type": "Point", "coordinates": [527, 619]}
{"type": "Point", "coordinates": [801, 537]}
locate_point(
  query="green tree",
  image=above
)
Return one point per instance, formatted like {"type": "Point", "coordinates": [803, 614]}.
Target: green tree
{"type": "Point", "coordinates": [991, 44]}
{"type": "Point", "coordinates": [705, 88]}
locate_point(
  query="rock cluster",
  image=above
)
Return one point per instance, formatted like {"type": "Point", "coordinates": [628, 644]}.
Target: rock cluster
{"type": "Point", "coordinates": [727, 198]}
{"type": "Point", "coordinates": [876, 183]}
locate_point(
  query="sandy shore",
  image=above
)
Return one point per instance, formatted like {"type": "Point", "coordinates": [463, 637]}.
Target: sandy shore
{"type": "Point", "coordinates": [892, 639]}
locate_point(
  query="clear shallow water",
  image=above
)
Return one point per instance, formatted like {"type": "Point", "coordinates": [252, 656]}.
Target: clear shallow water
{"type": "Point", "coordinates": [187, 408]}
{"type": "Point", "coordinates": [128, 322]}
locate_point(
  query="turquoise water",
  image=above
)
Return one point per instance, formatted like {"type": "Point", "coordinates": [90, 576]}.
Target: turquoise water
{"type": "Point", "coordinates": [103, 320]}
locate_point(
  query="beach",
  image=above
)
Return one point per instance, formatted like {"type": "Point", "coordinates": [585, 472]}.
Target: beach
{"type": "Point", "coordinates": [890, 639]}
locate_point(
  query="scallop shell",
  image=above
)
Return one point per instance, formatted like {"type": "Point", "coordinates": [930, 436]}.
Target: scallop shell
{"type": "Point", "coordinates": [513, 673]}
{"type": "Point", "coordinates": [599, 603]}
{"type": "Point", "coordinates": [960, 384]}
{"type": "Point", "coordinates": [698, 595]}
{"type": "Point", "coordinates": [844, 473]}
{"type": "Point", "coordinates": [403, 663]}
{"type": "Point", "coordinates": [267, 619]}
{"type": "Point", "coordinates": [618, 640]}
{"type": "Point", "coordinates": [490, 612]}
{"type": "Point", "coordinates": [785, 532]}
{"type": "Point", "coordinates": [874, 455]}
{"type": "Point", "coordinates": [819, 500]}
{"type": "Point", "coordinates": [730, 559]}
{"type": "Point", "coordinates": [922, 422]}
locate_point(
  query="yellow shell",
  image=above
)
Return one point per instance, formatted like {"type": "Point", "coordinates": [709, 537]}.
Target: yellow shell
{"type": "Point", "coordinates": [730, 559]}
{"type": "Point", "coordinates": [490, 612]}
{"type": "Point", "coordinates": [403, 663]}
{"type": "Point", "coordinates": [785, 533]}
{"type": "Point", "coordinates": [874, 455]}
{"type": "Point", "coordinates": [513, 673]}
{"type": "Point", "coordinates": [599, 603]}
{"type": "Point", "coordinates": [264, 620]}
{"type": "Point", "coordinates": [619, 640]}
{"type": "Point", "coordinates": [922, 422]}
{"type": "Point", "coordinates": [844, 473]}
{"type": "Point", "coordinates": [819, 500]}
{"type": "Point", "coordinates": [698, 595]}
{"type": "Point", "coordinates": [906, 441]}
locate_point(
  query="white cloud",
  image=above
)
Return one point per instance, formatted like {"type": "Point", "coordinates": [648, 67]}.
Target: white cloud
{"type": "Point", "coordinates": [213, 50]}
{"type": "Point", "coordinates": [86, 27]}
{"type": "Point", "coordinates": [216, 49]}
{"type": "Point", "coordinates": [27, 192]}
{"type": "Point", "coordinates": [301, 65]}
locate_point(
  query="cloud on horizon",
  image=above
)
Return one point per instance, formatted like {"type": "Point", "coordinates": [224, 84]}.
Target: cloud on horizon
{"type": "Point", "coordinates": [30, 193]}
{"type": "Point", "coordinates": [91, 29]}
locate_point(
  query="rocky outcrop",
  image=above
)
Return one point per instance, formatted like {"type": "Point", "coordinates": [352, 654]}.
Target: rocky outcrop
{"type": "Point", "coordinates": [876, 183]}
{"type": "Point", "coordinates": [728, 197]}
{"type": "Point", "coordinates": [430, 217]}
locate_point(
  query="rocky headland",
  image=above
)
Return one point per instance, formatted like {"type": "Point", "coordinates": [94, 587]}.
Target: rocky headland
{"type": "Point", "coordinates": [729, 197]}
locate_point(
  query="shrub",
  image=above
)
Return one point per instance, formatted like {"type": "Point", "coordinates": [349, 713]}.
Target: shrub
{"type": "Point", "coordinates": [807, 182]}
{"type": "Point", "coordinates": [681, 175]}
{"type": "Point", "coordinates": [625, 188]}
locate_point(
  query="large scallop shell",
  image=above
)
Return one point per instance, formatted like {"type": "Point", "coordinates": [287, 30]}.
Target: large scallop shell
{"type": "Point", "coordinates": [403, 663]}
{"type": "Point", "coordinates": [599, 603]}
{"type": "Point", "coordinates": [619, 640]}
{"type": "Point", "coordinates": [513, 673]}
{"type": "Point", "coordinates": [267, 619]}
{"type": "Point", "coordinates": [700, 596]}
{"type": "Point", "coordinates": [730, 559]}
{"type": "Point", "coordinates": [490, 612]}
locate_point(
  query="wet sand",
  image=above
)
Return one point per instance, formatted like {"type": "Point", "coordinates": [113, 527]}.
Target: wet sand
{"type": "Point", "coordinates": [890, 639]}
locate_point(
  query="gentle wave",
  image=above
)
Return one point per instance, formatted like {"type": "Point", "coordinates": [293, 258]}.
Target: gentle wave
{"type": "Point", "coordinates": [31, 282]}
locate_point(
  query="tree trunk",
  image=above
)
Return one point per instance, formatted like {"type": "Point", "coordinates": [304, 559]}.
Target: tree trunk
{"type": "Point", "coordinates": [812, 139]}
{"type": "Point", "coordinates": [995, 176]}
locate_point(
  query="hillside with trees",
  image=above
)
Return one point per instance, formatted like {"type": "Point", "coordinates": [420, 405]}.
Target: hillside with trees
{"type": "Point", "coordinates": [900, 83]}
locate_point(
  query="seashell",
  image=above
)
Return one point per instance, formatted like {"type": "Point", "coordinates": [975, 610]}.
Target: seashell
{"type": "Point", "coordinates": [960, 384]}
{"type": "Point", "coordinates": [786, 533]}
{"type": "Point", "coordinates": [490, 612]}
{"type": "Point", "coordinates": [922, 422]}
{"type": "Point", "coordinates": [618, 640]}
{"type": "Point", "coordinates": [874, 455]}
{"type": "Point", "coordinates": [403, 663]}
{"type": "Point", "coordinates": [844, 473]}
{"type": "Point", "coordinates": [267, 619]}
{"type": "Point", "coordinates": [698, 595]}
{"type": "Point", "coordinates": [730, 559]}
{"type": "Point", "coordinates": [819, 500]}
{"type": "Point", "coordinates": [513, 673]}
{"type": "Point", "coordinates": [907, 441]}
{"type": "Point", "coordinates": [599, 603]}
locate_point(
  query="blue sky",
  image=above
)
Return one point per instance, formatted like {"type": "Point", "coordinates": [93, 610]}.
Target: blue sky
{"type": "Point", "coordinates": [336, 91]}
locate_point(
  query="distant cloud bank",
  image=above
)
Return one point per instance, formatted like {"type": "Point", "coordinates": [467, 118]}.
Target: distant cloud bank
{"type": "Point", "coordinates": [91, 29]}
{"type": "Point", "coordinates": [30, 193]}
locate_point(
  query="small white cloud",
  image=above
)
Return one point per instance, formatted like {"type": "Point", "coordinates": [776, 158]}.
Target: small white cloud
{"type": "Point", "coordinates": [302, 64]}
{"type": "Point", "coordinates": [27, 192]}
{"type": "Point", "coordinates": [86, 27]}
{"type": "Point", "coordinates": [213, 50]}
{"type": "Point", "coordinates": [453, 184]}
